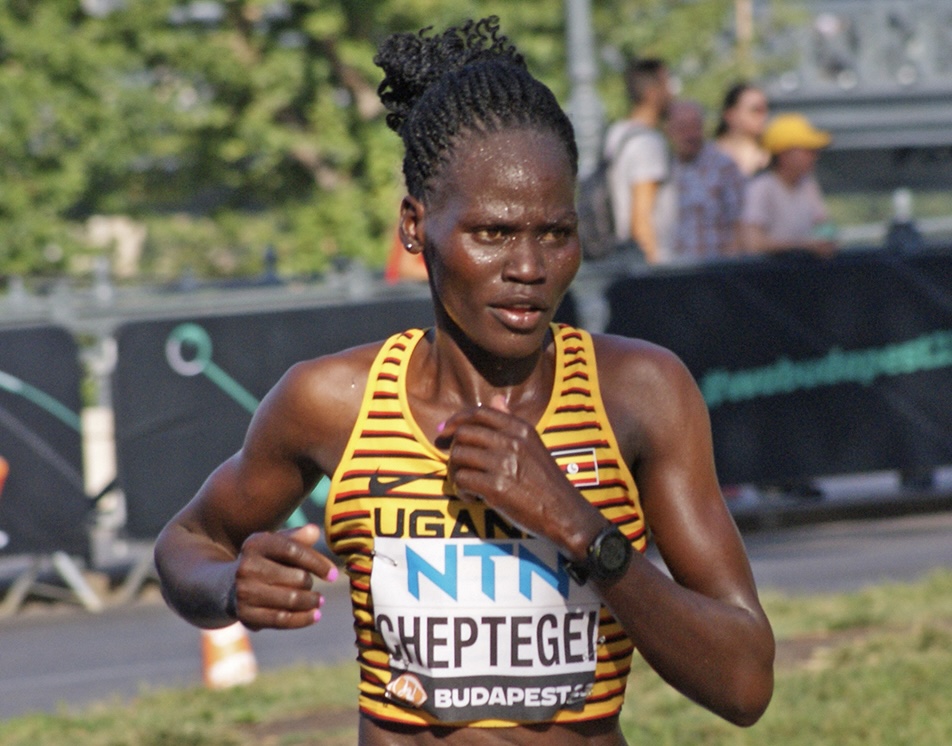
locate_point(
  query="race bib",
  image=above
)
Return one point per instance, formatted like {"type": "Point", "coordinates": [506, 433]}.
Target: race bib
{"type": "Point", "coordinates": [484, 629]}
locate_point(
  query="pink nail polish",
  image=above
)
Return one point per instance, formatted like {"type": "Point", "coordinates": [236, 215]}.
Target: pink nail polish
{"type": "Point", "coordinates": [321, 602]}
{"type": "Point", "coordinates": [332, 575]}
{"type": "Point", "coordinates": [439, 428]}
{"type": "Point", "coordinates": [317, 615]}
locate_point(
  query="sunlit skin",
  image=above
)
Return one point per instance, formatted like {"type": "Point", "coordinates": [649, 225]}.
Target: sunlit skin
{"type": "Point", "coordinates": [499, 262]}
{"type": "Point", "coordinates": [499, 236]}
{"type": "Point", "coordinates": [749, 115]}
{"type": "Point", "coordinates": [746, 121]}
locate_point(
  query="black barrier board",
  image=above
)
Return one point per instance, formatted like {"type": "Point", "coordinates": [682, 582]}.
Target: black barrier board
{"type": "Point", "coordinates": [43, 506]}
{"type": "Point", "coordinates": [184, 390]}
{"type": "Point", "coordinates": [809, 367]}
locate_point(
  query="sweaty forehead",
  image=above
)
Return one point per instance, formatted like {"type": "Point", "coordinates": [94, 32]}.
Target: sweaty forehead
{"type": "Point", "coordinates": [505, 161]}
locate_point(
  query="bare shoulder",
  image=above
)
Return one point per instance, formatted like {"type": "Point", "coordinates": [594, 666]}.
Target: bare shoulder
{"type": "Point", "coordinates": [647, 390]}
{"type": "Point", "coordinates": [330, 380]}
{"type": "Point", "coordinates": [627, 363]}
{"type": "Point", "coordinates": [314, 406]}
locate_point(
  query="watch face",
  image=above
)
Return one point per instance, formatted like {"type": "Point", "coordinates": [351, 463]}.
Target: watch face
{"type": "Point", "coordinates": [613, 553]}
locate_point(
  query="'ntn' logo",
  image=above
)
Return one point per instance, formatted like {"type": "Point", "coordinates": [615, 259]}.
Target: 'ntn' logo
{"type": "Point", "coordinates": [485, 556]}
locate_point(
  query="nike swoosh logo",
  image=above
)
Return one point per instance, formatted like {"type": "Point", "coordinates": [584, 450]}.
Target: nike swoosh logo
{"type": "Point", "coordinates": [380, 488]}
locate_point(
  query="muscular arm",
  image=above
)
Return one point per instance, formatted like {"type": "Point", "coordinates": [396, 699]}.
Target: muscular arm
{"type": "Point", "coordinates": [703, 629]}
{"type": "Point", "coordinates": [223, 555]}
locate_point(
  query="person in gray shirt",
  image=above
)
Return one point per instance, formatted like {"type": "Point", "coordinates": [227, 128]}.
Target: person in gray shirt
{"type": "Point", "coordinates": [639, 156]}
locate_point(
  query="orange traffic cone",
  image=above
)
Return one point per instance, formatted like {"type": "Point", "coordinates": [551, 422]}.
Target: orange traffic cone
{"type": "Point", "coordinates": [4, 472]}
{"type": "Point", "coordinates": [227, 657]}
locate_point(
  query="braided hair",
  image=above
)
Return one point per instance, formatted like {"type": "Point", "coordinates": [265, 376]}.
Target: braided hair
{"type": "Point", "coordinates": [469, 79]}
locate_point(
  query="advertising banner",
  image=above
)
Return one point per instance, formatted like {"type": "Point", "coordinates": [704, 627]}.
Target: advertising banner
{"type": "Point", "coordinates": [185, 390]}
{"type": "Point", "coordinates": [809, 367]}
{"type": "Point", "coordinates": [43, 506]}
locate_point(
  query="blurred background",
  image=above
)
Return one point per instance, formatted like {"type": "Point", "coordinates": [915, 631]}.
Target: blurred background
{"type": "Point", "coordinates": [194, 195]}
{"type": "Point", "coordinates": [173, 142]}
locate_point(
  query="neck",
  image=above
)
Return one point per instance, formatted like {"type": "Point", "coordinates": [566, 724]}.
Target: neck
{"type": "Point", "coordinates": [646, 114]}
{"type": "Point", "coordinates": [470, 376]}
{"type": "Point", "coordinates": [740, 138]}
{"type": "Point", "coordinates": [790, 178]}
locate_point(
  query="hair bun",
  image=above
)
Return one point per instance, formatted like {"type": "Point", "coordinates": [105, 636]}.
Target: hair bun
{"type": "Point", "coordinates": [412, 62]}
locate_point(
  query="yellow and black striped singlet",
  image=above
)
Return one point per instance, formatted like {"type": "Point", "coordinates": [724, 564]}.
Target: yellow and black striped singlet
{"type": "Point", "coordinates": [390, 484]}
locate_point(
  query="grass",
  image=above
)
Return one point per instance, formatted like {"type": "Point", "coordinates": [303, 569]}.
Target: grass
{"type": "Point", "coordinates": [870, 668]}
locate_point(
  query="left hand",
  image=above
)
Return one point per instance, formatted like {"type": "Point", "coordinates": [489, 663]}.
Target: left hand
{"type": "Point", "coordinates": [496, 457]}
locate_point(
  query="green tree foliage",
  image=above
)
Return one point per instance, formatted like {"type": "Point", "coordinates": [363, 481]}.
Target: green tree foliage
{"type": "Point", "coordinates": [232, 125]}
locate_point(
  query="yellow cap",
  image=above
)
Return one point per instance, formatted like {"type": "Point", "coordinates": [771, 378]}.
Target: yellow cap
{"type": "Point", "coordinates": [787, 131]}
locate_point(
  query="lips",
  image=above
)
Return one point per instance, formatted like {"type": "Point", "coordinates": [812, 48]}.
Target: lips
{"type": "Point", "coordinates": [519, 314]}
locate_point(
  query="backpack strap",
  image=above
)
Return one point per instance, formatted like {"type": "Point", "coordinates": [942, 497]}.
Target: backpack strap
{"type": "Point", "coordinates": [631, 132]}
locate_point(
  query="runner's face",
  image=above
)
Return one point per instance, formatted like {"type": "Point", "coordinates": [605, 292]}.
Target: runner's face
{"type": "Point", "coordinates": [501, 235]}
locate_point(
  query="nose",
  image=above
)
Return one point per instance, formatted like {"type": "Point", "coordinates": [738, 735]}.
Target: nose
{"type": "Point", "coordinates": [525, 262]}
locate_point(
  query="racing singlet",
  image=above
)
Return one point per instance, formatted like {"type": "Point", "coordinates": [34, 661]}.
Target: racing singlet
{"type": "Point", "coordinates": [460, 617]}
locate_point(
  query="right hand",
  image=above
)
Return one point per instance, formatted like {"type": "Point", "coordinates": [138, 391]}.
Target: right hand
{"type": "Point", "coordinates": [275, 576]}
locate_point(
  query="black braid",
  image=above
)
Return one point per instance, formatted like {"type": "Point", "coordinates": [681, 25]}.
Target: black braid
{"type": "Point", "coordinates": [468, 79]}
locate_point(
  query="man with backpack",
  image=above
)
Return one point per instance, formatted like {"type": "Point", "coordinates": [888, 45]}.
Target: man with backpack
{"type": "Point", "coordinates": [639, 162]}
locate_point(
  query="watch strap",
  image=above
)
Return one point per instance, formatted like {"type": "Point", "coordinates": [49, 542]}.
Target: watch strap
{"type": "Point", "coordinates": [594, 563]}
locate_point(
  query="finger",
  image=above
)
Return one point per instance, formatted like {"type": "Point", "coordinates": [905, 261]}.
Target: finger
{"type": "Point", "coordinates": [294, 548]}
{"type": "Point", "coordinates": [256, 618]}
{"type": "Point", "coordinates": [468, 496]}
{"type": "Point", "coordinates": [307, 534]}
{"type": "Point", "coordinates": [272, 595]}
{"type": "Point", "coordinates": [278, 598]}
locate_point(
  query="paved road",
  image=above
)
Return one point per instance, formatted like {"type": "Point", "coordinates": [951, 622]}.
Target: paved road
{"type": "Point", "coordinates": [70, 656]}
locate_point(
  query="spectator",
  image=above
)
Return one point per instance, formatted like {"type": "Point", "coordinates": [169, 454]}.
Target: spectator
{"type": "Point", "coordinates": [741, 127]}
{"type": "Point", "coordinates": [783, 206]}
{"type": "Point", "coordinates": [639, 158]}
{"type": "Point", "coordinates": [709, 189]}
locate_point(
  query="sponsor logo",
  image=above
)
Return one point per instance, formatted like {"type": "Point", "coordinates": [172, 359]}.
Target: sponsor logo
{"type": "Point", "coordinates": [930, 351]}
{"type": "Point", "coordinates": [379, 487]}
{"type": "Point", "coordinates": [407, 688]}
{"type": "Point", "coordinates": [565, 696]}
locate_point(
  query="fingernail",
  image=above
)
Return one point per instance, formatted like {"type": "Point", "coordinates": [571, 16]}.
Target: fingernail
{"type": "Point", "coordinates": [439, 428]}
{"type": "Point", "coordinates": [317, 615]}
{"type": "Point", "coordinates": [332, 575]}
{"type": "Point", "coordinates": [321, 602]}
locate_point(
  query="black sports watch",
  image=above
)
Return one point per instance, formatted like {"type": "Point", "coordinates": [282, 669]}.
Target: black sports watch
{"type": "Point", "coordinates": [606, 558]}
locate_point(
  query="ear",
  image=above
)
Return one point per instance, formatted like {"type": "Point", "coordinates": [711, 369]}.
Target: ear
{"type": "Point", "coordinates": [411, 224]}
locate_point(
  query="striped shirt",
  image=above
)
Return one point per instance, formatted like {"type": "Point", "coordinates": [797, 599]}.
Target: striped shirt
{"type": "Point", "coordinates": [401, 536]}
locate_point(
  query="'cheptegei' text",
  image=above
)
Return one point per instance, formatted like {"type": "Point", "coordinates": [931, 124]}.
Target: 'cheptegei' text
{"type": "Point", "coordinates": [484, 629]}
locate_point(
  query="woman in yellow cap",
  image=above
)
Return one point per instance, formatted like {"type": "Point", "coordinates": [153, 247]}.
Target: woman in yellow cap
{"type": "Point", "coordinates": [783, 206]}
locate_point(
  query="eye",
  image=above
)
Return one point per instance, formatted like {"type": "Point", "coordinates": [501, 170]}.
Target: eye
{"type": "Point", "coordinates": [556, 235]}
{"type": "Point", "coordinates": [491, 234]}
